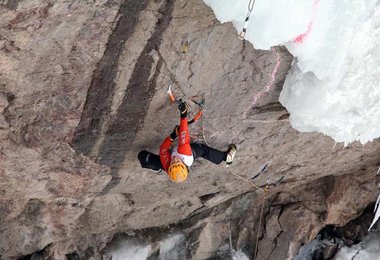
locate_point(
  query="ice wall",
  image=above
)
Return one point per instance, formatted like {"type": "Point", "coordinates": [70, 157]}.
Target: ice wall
{"type": "Point", "coordinates": [333, 86]}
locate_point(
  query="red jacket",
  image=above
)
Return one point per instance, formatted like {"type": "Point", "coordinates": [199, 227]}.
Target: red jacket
{"type": "Point", "coordinates": [184, 147]}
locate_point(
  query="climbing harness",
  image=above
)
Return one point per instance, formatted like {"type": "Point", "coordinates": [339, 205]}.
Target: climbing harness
{"type": "Point", "coordinates": [250, 8]}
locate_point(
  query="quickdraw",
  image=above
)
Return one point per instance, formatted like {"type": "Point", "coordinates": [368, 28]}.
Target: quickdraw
{"type": "Point", "coordinates": [274, 183]}
{"type": "Point", "coordinates": [185, 46]}
{"type": "Point", "coordinates": [245, 26]}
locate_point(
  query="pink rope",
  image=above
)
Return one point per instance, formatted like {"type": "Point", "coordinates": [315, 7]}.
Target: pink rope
{"type": "Point", "coordinates": [300, 38]}
{"type": "Point", "coordinates": [269, 85]}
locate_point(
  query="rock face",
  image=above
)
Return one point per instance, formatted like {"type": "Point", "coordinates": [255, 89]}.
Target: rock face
{"type": "Point", "coordinates": [83, 90]}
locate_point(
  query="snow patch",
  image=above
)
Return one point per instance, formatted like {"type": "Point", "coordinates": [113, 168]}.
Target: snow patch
{"type": "Point", "coordinates": [173, 247]}
{"type": "Point", "coordinates": [239, 255]}
{"type": "Point", "coordinates": [130, 250]}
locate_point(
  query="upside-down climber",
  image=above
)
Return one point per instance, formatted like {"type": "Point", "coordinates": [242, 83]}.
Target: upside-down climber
{"type": "Point", "coordinates": [176, 161]}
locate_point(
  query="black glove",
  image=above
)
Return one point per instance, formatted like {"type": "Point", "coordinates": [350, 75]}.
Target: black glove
{"type": "Point", "coordinates": [174, 134]}
{"type": "Point", "coordinates": [182, 106]}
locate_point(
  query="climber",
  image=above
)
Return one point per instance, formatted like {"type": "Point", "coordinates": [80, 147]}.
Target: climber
{"type": "Point", "coordinates": [176, 161]}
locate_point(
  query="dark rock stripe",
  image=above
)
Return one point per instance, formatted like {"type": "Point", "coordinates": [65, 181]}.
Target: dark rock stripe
{"type": "Point", "coordinates": [132, 111]}
{"type": "Point", "coordinates": [100, 93]}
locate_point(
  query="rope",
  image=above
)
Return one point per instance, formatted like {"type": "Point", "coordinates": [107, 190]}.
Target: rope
{"type": "Point", "coordinates": [246, 180]}
{"type": "Point", "coordinates": [265, 190]}
{"type": "Point", "coordinates": [230, 237]}
{"type": "Point", "coordinates": [202, 130]}
{"type": "Point", "coordinates": [259, 228]}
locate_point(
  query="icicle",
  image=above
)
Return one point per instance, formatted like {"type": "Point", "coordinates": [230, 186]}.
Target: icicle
{"type": "Point", "coordinates": [377, 214]}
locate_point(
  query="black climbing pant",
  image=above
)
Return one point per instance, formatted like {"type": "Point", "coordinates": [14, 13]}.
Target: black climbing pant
{"type": "Point", "coordinates": [152, 161]}
{"type": "Point", "coordinates": [210, 154]}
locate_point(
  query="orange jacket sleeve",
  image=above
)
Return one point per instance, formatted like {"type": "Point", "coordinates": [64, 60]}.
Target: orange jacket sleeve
{"type": "Point", "coordinates": [165, 156]}
{"type": "Point", "coordinates": [184, 138]}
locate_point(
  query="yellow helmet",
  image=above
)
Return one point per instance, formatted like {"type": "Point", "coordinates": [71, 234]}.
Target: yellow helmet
{"type": "Point", "coordinates": [177, 171]}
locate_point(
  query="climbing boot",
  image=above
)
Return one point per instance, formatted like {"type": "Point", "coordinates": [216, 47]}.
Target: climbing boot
{"type": "Point", "coordinates": [231, 152]}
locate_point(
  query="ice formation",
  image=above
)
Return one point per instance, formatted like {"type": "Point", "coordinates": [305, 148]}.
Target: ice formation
{"type": "Point", "coordinates": [332, 87]}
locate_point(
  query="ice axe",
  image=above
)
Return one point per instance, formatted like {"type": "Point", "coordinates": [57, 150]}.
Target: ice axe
{"type": "Point", "coordinates": [200, 103]}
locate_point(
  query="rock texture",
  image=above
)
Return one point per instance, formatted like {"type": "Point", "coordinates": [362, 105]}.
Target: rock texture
{"type": "Point", "coordinates": [83, 90]}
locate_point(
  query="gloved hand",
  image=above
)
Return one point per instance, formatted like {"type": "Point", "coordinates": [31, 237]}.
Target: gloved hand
{"type": "Point", "coordinates": [175, 132]}
{"type": "Point", "coordinates": [182, 106]}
